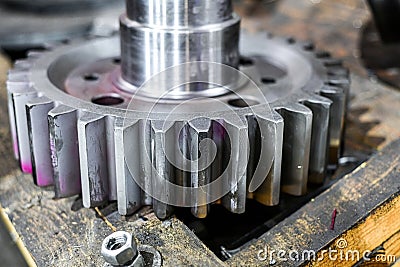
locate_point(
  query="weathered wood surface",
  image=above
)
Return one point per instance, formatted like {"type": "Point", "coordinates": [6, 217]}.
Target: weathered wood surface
{"type": "Point", "coordinates": [56, 235]}
{"type": "Point", "coordinates": [368, 206]}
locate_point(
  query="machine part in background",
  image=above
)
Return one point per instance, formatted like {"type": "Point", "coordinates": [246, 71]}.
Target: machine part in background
{"type": "Point", "coordinates": [251, 7]}
{"type": "Point", "coordinates": [80, 123]}
{"type": "Point", "coordinates": [382, 59]}
{"type": "Point", "coordinates": [380, 42]}
{"type": "Point", "coordinates": [33, 24]}
{"type": "Point", "coordinates": [387, 19]}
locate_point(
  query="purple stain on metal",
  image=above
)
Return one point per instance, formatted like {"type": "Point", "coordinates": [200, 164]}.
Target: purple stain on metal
{"type": "Point", "coordinates": [26, 167]}
{"type": "Point", "coordinates": [219, 131]}
{"type": "Point", "coordinates": [43, 179]}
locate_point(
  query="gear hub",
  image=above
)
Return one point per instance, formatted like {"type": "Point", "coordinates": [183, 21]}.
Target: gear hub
{"type": "Point", "coordinates": [181, 109]}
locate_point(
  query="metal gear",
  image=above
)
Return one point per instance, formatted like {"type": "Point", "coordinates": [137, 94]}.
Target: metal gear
{"type": "Point", "coordinates": [79, 122]}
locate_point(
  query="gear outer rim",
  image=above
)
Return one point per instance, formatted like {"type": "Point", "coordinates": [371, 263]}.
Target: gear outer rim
{"type": "Point", "coordinates": [334, 78]}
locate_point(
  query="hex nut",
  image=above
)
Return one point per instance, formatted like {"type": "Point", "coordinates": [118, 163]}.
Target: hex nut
{"type": "Point", "coordinates": [119, 248]}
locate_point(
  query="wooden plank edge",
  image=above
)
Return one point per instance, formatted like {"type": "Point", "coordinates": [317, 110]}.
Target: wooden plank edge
{"type": "Point", "coordinates": [355, 196]}
{"type": "Point", "coordinates": [378, 232]}
{"type": "Point", "coordinates": [16, 238]}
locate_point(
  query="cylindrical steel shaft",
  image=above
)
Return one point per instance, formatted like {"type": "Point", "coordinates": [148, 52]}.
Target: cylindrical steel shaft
{"type": "Point", "coordinates": [179, 13]}
{"type": "Point", "coordinates": [158, 34]}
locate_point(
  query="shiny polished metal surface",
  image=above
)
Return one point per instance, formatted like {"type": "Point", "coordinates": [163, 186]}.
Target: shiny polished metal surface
{"type": "Point", "coordinates": [156, 35]}
{"type": "Point", "coordinates": [179, 13]}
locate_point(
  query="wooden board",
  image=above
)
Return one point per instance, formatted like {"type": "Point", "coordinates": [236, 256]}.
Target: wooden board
{"type": "Point", "coordinates": [368, 207]}
{"type": "Point", "coordinates": [60, 233]}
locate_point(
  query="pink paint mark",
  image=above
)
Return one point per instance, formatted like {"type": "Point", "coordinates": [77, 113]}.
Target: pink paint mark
{"type": "Point", "coordinates": [26, 167]}
{"type": "Point", "coordinates": [43, 180]}
{"type": "Point", "coordinates": [333, 220]}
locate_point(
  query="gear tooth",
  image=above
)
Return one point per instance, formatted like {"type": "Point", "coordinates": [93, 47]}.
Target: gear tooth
{"type": "Point", "coordinates": [112, 177]}
{"type": "Point", "coordinates": [182, 175]}
{"type": "Point", "coordinates": [338, 71]}
{"type": "Point", "coordinates": [296, 148]}
{"type": "Point", "coordinates": [332, 62]}
{"type": "Point", "coordinates": [18, 80]}
{"type": "Point", "coordinates": [266, 141]}
{"type": "Point", "coordinates": [17, 99]}
{"type": "Point", "coordinates": [269, 35]}
{"type": "Point", "coordinates": [17, 75]}
{"type": "Point", "coordinates": [307, 46]}
{"type": "Point", "coordinates": [200, 126]}
{"type": "Point", "coordinates": [320, 107]}
{"type": "Point", "coordinates": [290, 40]}
{"type": "Point", "coordinates": [22, 65]}
{"type": "Point", "coordinates": [254, 151]}
{"type": "Point", "coordinates": [145, 161]}
{"type": "Point", "coordinates": [64, 151]}
{"type": "Point", "coordinates": [50, 46]}
{"type": "Point", "coordinates": [92, 136]}
{"type": "Point", "coordinates": [219, 165]}
{"type": "Point", "coordinates": [14, 85]}
{"type": "Point", "coordinates": [13, 123]}
{"type": "Point", "coordinates": [127, 162]}
{"type": "Point", "coordinates": [162, 136]}
{"type": "Point", "coordinates": [18, 87]}
{"type": "Point", "coordinates": [337, 116]}
{"type": "Point", "coordinates": [35, 54]}
{"type": "Point", "coordinates": [39, 139]}
{"type": "Point", "coordinates": [236, 158]}
{"type": "Point", "coordinates": [341, 82]}
{"type": "Point", "coordinates": [199, 130]}
{"type": "Point", "coordinates": [13, 129]}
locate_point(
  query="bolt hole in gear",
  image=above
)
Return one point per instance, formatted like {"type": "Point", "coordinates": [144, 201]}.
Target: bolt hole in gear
{"type": "Point", "coordinates": [190, 113]}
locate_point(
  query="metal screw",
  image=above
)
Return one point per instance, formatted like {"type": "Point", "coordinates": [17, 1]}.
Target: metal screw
{"type": "Point", "coordinates": [120, 249]}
